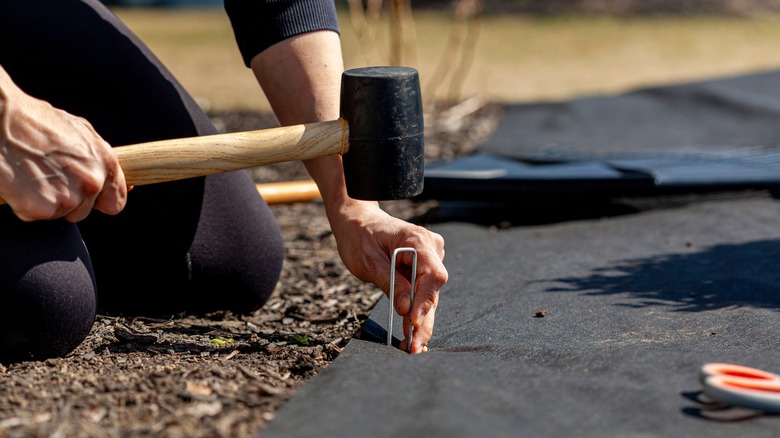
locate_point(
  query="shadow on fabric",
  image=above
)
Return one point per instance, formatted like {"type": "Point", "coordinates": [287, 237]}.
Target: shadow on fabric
{"type": "Point", "coordinates": [716, 277]}
{"type": "Point", "coordinates": [529, 211]}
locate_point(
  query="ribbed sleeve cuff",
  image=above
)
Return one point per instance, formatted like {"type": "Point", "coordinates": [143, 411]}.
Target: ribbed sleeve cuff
{"type": "Point", "coordinates": [258, 25]}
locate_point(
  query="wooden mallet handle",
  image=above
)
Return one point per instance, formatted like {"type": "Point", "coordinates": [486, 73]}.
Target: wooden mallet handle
{"type": "Point", "coordinates": [170, 160]}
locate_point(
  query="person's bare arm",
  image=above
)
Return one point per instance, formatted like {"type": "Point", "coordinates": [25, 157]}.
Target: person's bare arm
{"type": "Point", "coordinates": [53, 164]}
{"type": "Point", "coordinates": [301, 77]}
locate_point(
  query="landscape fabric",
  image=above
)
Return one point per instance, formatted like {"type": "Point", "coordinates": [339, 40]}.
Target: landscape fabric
{"type": "Point", "coordinates": [592, 320]}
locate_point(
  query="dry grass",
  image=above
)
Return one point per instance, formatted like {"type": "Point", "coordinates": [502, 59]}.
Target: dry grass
{"type": "Point", "coordinates": [516, 58]}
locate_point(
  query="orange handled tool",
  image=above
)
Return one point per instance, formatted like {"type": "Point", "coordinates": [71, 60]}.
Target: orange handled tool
{"type": "Point", "coordinates": [289, 192]}
{"type": "Point", "coordinates": [738, 385]}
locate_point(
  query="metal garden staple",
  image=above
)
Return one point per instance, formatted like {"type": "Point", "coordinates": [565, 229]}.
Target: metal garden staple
{"type": "Point", "coordinates": [392, 295]}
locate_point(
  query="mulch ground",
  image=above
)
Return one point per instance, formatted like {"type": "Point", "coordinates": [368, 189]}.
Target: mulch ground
{"type": "Point", "coordinates": [222, 374]}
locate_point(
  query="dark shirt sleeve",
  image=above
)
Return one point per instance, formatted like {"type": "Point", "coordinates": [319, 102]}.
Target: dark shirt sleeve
{"type": "Point", "coordinates": [258, 24]}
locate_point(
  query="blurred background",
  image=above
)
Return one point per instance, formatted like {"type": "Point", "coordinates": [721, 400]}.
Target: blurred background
{"type": "Point", "coordinates": [496, 50]}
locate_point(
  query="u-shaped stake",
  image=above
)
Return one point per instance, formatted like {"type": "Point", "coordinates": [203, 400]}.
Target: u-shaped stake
{"type": "Point", "coordinates": [392, 296]}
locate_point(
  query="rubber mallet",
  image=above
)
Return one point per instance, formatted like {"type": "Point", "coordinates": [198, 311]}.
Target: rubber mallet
{"type": "Point", "coordinates": [379, 134]}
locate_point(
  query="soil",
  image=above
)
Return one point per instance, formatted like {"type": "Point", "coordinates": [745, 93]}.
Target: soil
{"type": "Point", "coordinates": [222, 374]}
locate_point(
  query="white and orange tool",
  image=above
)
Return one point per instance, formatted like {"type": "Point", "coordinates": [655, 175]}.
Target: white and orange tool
{"type": "Point", "coordinates": [742, 386]}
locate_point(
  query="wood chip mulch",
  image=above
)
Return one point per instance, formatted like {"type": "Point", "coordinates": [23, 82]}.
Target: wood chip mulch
{"type": "Point", "coordinates": [220, 375]}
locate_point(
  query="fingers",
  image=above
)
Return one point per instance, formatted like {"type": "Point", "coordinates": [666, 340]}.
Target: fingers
{"type": "Point", "coordinates": [103, 189]}
{"type": "Point", "coordinates": [112, 199]}
{"type": "Point", "coordinates": [112, 196]}
{"type": "Point", "coordinates": [427, 299]}
{"type": "Point", "coordinates": [74, 206]}
{"type": "Point", "coordinates": [402, 289]}
{"type": "Point", "coordinates": [367, 238]}
{"type": "Point", "coordinates": [423, 312]}
{"type": "Point", "coordinates": [422, 334]}
{"type": "Point", "coordinates": [55, 165]}
{"type": "Point", "coordinates": [431, 277]}
{"type": "Point", "coordinates": [81, 212]}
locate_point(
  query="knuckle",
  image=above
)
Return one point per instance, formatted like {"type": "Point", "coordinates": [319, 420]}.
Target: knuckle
{"type": "Point", "coordinates": [91, 186]}
{"type": "Point", "coordinates": [440, 278]}
{"type": "Point", "coordinates": [65, 203]}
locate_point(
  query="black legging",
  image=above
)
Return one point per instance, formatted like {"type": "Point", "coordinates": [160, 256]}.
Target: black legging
{"type": "Point", "coordinates": [196, 245]}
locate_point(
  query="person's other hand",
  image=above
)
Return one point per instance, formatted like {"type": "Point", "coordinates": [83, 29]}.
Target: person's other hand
{"type": "Point", "coordinates": [366, 241]}
{"type": "Point", "coordinates": [53, 164]}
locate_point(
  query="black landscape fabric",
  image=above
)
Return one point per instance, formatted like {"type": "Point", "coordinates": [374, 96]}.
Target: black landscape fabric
{"type": "Point", "coordinates": [588, 326]}
{"type": "Point", "coordinates": [739, 111]}
{"type": "Point", "coordinates": [706, 136]}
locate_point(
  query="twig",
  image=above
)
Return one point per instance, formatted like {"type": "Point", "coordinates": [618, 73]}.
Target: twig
{"type": "Point", "coordinates": [462, 41]}
{"type": "Point", "coordinates": [464, 108]}
{"type": "Point", "coordinates": [365, 22]}
{"type": "Point", "coordinates": [403, 39]}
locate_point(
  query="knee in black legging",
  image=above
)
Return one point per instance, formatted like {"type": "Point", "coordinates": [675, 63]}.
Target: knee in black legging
{"type": "Point", "coordinates": [47, 290]}
{"type": "Point", "coordinates": [168, 254]}
{"type": "Point", "coordinates": [238, 251]}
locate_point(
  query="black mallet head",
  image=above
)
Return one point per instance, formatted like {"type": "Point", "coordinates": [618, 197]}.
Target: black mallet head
{"type": "Point", "coordinates": [383, 110]}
